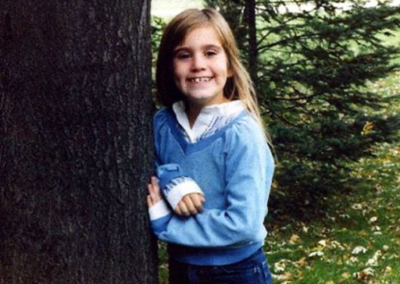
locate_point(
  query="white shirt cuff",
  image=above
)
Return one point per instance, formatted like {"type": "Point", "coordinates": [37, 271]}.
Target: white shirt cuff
{"type": "Point", "coordinates": [159, 210]}
{"type": "Point", "coordinates": [176, 193]}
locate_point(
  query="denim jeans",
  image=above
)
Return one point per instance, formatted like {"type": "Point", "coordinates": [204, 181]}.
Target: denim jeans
{"type": "Point", "coordinates": [252, 270]}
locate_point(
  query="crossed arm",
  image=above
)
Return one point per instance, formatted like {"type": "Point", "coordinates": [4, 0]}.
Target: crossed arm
{"type": "Point", "coordinates": [190, 204]}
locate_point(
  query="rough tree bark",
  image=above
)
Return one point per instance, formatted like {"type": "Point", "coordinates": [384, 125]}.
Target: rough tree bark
{"type": "Point", "coordinates": [75, 142]}
{"type": "Point", "coordinates": [252, 30]}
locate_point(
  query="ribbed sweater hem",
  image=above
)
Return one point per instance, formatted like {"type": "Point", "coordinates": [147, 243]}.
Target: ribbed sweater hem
{"type": "Point", "coordinates": [212, 256]}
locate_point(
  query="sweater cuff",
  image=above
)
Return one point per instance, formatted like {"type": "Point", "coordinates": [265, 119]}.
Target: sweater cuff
{"type": "Point", "coordinates": [166, 173]}
{"type": "Point", "coordinates": [160, 225]}
{"type": "Point", "coordinates": [178, 188]}
{"type": "Point", "coordinates": [159, 210]}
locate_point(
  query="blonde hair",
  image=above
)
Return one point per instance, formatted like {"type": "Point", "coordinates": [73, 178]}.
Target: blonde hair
{"type": "Point", "coordinates": [238, 87]}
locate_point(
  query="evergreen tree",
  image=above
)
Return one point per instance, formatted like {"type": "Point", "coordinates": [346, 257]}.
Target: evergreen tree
{"type": "Point", "coordinates": [313, 68]}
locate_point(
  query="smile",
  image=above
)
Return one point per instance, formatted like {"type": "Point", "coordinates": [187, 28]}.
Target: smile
{"type": "Point", "coordinates": [199, 79]}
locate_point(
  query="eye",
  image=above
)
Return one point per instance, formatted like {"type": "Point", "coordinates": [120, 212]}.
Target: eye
{"type": "Point", "coordinates": [211, 53]}
{"type": "Point", "coordinates": [183, 55]}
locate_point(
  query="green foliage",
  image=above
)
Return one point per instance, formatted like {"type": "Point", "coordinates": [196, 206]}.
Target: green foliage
{"type": "Point", "coordinates": [356, 240]}
{"type": "Point", "coordinates": [157, 27]}
{"type": "Point", "coordinates": [314, 70]}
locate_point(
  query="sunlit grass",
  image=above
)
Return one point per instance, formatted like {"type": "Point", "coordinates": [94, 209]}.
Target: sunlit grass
{"type": "Point", "coordinates": [357, 241]}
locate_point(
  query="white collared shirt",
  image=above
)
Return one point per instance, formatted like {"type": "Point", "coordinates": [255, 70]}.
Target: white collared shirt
{"type": "Point", "coordinates": [210, 119]}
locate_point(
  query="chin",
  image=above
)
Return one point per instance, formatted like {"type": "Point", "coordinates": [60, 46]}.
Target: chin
{"type": "Point", "coordinates": [200, 96]}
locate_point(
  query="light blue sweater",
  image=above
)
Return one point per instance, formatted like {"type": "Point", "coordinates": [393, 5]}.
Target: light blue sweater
{"type": "Point", "coordinates": [234, 168]}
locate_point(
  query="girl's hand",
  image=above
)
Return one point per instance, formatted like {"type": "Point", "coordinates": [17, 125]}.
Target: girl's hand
{"type": "Point", "coordinates": [191, 204]}
{"type": "Point", "coordinates": [155, 193]}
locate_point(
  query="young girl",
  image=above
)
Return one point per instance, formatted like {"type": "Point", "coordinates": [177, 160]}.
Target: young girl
{"type": "Point", "coordinates": [214, 166]}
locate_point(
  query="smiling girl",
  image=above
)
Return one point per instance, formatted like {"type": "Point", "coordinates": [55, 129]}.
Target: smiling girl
{"type": "Point", "coordinates": [214, 167]}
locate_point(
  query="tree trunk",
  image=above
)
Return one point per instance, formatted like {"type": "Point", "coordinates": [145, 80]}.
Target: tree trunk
{"type": "Point", "coordinates": [75, 142]}
{"type": "Point", "coordinates": [253, 50]}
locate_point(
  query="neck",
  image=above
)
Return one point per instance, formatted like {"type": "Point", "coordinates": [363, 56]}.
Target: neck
{"type": "Point", "coordinates": [193, 110]}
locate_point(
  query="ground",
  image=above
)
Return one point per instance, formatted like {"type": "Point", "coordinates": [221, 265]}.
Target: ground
{"type": "Point", "coordinates": [357, 239]}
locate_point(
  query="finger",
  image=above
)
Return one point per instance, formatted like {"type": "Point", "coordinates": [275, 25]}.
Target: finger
{"type": "Point", "coordinates": [196, 201]}
{"type": "Point", "coordinates": [189, 205]}
{"type": "Point", "coordinates": [149, 201]}
{"type": "Point", "coordinates": [151, 189]}
{"type": "Point", "coordinates": [154, 183]}
{"type": "Point", "coordinates": [178, 209]}
{"type": "Point", "coordinates": [184, 209]}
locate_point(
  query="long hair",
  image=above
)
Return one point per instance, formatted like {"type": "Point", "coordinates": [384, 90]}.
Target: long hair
{"type": "Point", "coordinates": [238, 87]}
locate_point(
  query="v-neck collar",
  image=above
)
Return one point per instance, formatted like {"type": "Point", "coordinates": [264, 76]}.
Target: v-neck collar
{"type": "Point", "coordinates": [208, 119]}
{"type": "Point", "coordinates": [189, 148]}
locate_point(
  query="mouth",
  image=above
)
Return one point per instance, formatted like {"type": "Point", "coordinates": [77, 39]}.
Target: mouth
{"type": "Point", "coordinates": [199, 79]}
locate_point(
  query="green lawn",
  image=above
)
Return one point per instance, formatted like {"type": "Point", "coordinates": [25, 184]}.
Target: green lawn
{"type": "Point", "coordinates": [357, 240]}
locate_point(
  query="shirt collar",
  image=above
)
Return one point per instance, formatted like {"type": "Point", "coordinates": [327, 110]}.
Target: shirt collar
{"type": "Point", "coordinates": [206, 117]}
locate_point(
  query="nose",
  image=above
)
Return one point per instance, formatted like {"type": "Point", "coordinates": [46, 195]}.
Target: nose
{"type": "Point", "coordinates": [198, 63]}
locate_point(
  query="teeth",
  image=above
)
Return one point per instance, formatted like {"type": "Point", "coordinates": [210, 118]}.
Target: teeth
{"type": "Point", "coordinates": [202, 79]}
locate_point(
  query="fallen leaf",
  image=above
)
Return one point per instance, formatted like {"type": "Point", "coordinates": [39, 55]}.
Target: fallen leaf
{"type": "Point", "coordinates": [284, 277]}
{"type": "Point", "coordinates": [374, 260]}
{"type": "Point", "coordinates": [316, 253]}
{"type": "Point", "coordinates": [301, 262]}
{"type": "Point", "coordinates": [359, 249]}
{"type": "Point", "coordinates": [362, 275]}
{"type": "Point", "coordinates": [280, 266]}
{"type": "Point", "coordinates": [356, 206]}
{"type": "Point", "coordinates": [352, 260]}
{"type": "Point", "coordinates": [294, 239]}
{"type": "Point", "coordinates": [387, 270]}
{"type": "Point", "coordinates": [336, 244]}
{"type": "Point", "coordinates": [373, 220]}
{"type": "Point", "coordinates": [344, 277]}
{"type": "Point", "coordinates": [322, 243]}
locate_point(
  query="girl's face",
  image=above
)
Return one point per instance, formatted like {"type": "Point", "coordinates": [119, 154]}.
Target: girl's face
{"type": "Point", "coordinates": [201, 67]}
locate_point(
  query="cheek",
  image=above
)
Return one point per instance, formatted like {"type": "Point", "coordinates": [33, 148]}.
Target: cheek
{"type": "Point", "coordinates": [179, 73]}
{"type": "Point", "coordinates": [179, 79]}
{"type": "Point", "coordinates": [224, 68]}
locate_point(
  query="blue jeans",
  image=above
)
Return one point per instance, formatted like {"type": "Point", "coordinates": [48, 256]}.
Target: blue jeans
{"type": "Point", "coordinates": [252, 270]}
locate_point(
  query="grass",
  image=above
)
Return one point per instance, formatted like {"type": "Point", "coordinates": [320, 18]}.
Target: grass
{"type": "Point", "coordinates": [357, 241]}
{"type": "Point", "coordinates": [360, 232]}
{"type": "Point", "coordinates": [358, 238]}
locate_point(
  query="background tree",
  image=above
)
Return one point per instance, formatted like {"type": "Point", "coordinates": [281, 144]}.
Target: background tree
{"type": "Point", "coordinates": [75, 142]}
{"type": "Point", "coordinates": [313, 62]}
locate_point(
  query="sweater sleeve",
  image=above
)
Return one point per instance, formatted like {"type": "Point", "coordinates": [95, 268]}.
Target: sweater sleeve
{"type": "Point", "coordinates": [248, 175]}
{"type": "Point", "coordinates": [172, 181]}
{"type": "Point", "coordinates": [173, 184]}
